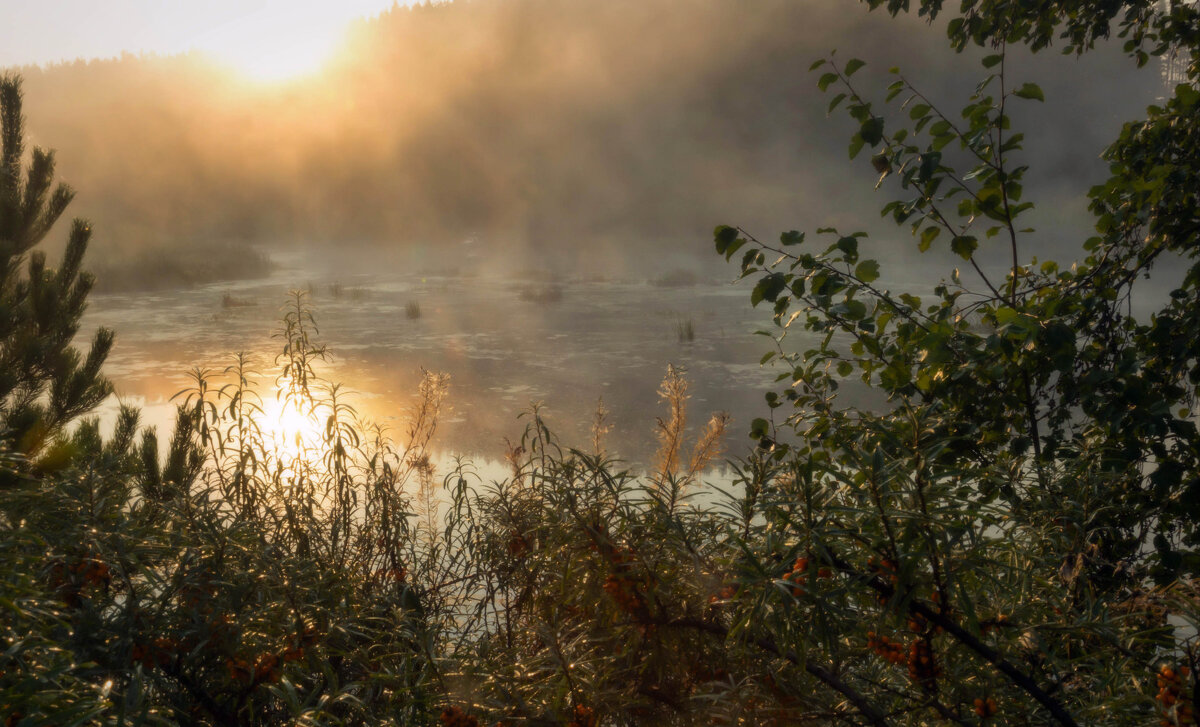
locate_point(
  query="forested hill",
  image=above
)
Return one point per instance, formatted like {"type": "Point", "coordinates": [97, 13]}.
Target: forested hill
{"type": "Point", "coordinates": [544, 125]}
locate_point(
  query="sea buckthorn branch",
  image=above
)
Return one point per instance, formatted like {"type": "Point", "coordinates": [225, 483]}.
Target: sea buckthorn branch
{"type": "Point", "coordinates": [922, 701]}
{"type": "Point", "coordinates": [206, 701]}
{"type": "Point", "coordinates": [937, 617]}
{"type": "Point", "coordinates": [821, 673]}
{"type": "Point", "coordinates": [1175, 703]}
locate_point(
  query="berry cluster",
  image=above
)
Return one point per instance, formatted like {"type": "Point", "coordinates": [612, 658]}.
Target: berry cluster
{"type": "Point", "coordinates": [389, 575]}
{"type": "Point", "coordinates": [922, 667]}
{"type": "Point", "coordinates": [267, 667]}
{"type": "Point", "coordinates": [918, 656]}
{"type": "Point", "coordinates": [891, 651]}
{"type": "Point", "coordinates": [920, 625]}
{"type": "Point", "coordinates": [995, 624]}
{"type": "Point", "coordinates": [158, 653]}
{"type": "Point", "coordinates": [292, 653]}
{"type": "Point", "coordinates": [985, 707]}
{"type": "Point", "coordinates": [883, 566]}
{"type": "Point", "coordinates": [622, 585]}
{"type": "Point", "coordinates": [1173, 700]}
{"type": "Point", "coordinates": [887, 570]}
{"type": "Point", "coordinates": [624, 591]}
{"type": "Point", "coordinates": [799, 573]}
{"type": "Point", "coordinates": [263, 669]}
{"type": "Point", "coordinates": [518, 545]}
{"type": "Point", "coordinates": [725, 594]}
{"type": "Point", "coordinates": [455, 717]}
{"type": "Point", "coordinates": [93, 572]}
{"type": "Point", "coordinates": [582, 716]}
{"type": "Point", "coordinates": [70, 581]}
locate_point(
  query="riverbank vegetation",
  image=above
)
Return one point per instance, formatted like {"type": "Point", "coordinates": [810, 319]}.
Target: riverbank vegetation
{"type": "Point", "coordinates": [171, 268]}
{"type": "Point", "coordinates": [1009, 538]}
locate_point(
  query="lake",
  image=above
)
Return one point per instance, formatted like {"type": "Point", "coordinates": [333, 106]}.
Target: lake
{"type": "Point", "coordinates": [505, 340]}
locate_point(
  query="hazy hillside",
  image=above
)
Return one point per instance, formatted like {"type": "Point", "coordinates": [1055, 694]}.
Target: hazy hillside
{"type": "Point", "coordinates": [566, 128]}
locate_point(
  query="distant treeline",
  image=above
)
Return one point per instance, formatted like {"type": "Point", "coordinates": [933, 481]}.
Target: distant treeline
{"type": "Point", "coordinates": [559, 127]}
{"type": "Point", "coordinates": [164, 267]}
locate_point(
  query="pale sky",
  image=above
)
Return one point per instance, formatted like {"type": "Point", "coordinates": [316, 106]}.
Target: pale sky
{"type": "Point", "coordinates": [262, 37]}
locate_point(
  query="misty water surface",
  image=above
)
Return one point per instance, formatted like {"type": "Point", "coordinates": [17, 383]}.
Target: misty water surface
{"type": "Point", "coordinates": [502, 343]}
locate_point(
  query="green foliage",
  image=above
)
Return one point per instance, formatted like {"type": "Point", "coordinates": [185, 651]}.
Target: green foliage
{"type": "Point", "coordinates": [1024, 504]}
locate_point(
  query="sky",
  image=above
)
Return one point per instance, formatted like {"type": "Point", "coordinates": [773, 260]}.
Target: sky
{"type": "Point", "coordinates": [270, 39]}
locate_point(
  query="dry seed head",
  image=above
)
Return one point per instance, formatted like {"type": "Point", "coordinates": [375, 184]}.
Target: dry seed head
{"type": "Point", "coordinates": [670, 432]}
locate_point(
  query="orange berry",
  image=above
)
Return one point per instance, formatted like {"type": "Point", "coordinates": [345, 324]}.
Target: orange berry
{"type": "Point", "coordinates": [985, 707]}
{"type": "Point", "coordinates": [239, 670]}
{"type": "Point", "coordinates": [455, 717]}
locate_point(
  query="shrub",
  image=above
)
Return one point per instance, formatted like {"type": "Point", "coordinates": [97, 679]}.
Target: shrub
{"type": "Point", "coordinates": [229, 300]}
{"type": "Point", "coordinates": [547, 293]}
{"type": "Point", "coordinates": [686, 330]}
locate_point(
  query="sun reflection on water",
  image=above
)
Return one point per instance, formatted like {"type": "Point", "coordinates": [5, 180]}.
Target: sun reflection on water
{"type": "Point", "coordinates": [291, 428]}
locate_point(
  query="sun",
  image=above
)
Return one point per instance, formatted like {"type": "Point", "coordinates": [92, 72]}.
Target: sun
{"type": "Point", "coordinates": [276, 43]}
{"type": "Point", "coordinates": [280, 59]}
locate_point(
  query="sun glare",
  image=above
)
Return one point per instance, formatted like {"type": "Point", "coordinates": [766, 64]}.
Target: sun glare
{"type": "Point", "coordinates": [276, 44]}
{"type": "Point", "coordinates": [292, 433]}
{"type": "Point", "coordinates": [282, 59]}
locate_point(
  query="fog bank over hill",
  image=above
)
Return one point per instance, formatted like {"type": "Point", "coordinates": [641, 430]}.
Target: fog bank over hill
{"type": "Point", "coordinates": [554, 133]}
